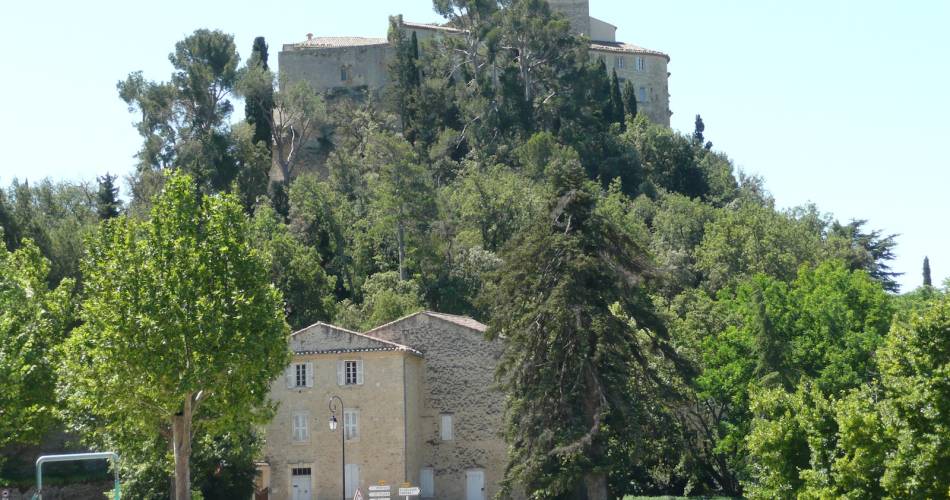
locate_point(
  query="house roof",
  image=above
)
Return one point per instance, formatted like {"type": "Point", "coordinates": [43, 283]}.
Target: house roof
{"type": "Point", "coordinates": [429, 26]}
{"type": "Point", "coordinates": [463, 321]}
{"type": "Point", "coordinates": [370, 344]}
{"type": "Point", "coordinates": [628, 48]}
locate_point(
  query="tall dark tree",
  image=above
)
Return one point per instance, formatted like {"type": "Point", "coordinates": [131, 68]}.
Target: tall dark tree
{"type": "Point", "coordinates": [616, 100]}
{"type": "Point", "coordinates": [107, 198]}
{"type": "Point", "coordinates": [630, 99]}
{"type": "Point", "coordinates": [927, 280]}
{"type": "Point", "coordinates": [259, 106]}
{"type": "Point", "coordinates": [571, 302]}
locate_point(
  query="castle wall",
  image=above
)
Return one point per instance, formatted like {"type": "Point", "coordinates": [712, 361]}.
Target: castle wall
{"type": "Point", "coordinates": [576, 11]}
{"type": "Point", "coordinates": [323, 67]}
{"type": "Point", "coordinates": [602, 31]}
{"type": "Point", "coordinates": [651, 83]}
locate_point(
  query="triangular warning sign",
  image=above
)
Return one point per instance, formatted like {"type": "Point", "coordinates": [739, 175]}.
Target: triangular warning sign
{"type": "Point", "coordinates": [358, 495]}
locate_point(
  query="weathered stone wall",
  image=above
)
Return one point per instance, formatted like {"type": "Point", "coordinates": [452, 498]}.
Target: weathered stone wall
{"type": "Point", "coordinates": [458, 379]}
{"type": "Point", "coordinates": [600, 30]}
{"type": "Point", "coordinates": [653, 79]}
{"type": "Point", "coordinates": [576, 11]}
{"type": "Point", "coordinates": [380, 449]}
{"type": "Point", "coordinates": [321, 66]}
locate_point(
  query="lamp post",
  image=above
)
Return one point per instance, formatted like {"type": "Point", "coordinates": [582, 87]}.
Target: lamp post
{"type": "Point", "coordinates": [333, 425]}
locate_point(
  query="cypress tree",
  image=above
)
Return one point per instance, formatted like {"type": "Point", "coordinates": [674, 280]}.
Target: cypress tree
{"type": "Point", "coordinates": [698, 131]}
{"type": "Point", "coordinates": [107, 198]}
{"type": "Point", "coordinates": [630, 99]}
{"type": "Point", "coordinates": [927, 280]}
{"type": "Point", "coordinates": [616, 99]}
{"type": "Point", "coordinates": [257, 108]}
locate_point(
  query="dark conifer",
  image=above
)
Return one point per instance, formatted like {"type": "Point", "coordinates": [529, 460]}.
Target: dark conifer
{"type": "Point", "coordinates": [258, 108]}
{"type": "Point", "coordinates": [630, 99]}
{"type": "Point", "coordinates": [616, 100]}
{"type": "Point", "coordinates": [927, 280]}
{"type": "Point", "coordinates": [107, 198]}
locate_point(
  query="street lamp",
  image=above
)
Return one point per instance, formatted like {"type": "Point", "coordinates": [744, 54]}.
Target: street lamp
{"type": "Point", "coordinates": [333, 425]}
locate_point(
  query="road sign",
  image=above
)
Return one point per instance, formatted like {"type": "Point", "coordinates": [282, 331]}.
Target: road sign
{"type": "Point", "coordinates": [358, 495]}
{"type": "Point", "coordinates": [409, 492]}
{"type": "Point", "coordinates": [382, 487]}
{"type": "Point", "coordinates": [379, 495]}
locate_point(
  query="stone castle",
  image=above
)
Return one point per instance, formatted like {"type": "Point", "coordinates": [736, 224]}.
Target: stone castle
{"type": "Point", "coordinates": [339, 63]}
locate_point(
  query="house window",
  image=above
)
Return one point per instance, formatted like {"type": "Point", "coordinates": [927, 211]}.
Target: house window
{"type": "Point", "coordinates": [300, 426]}
{"type": "Point", "coordinates": [300, 471]}
{"type": "Point", "coordinates": [351, 423]}
{"type": "Point", "coordinates": [344, 73]}
{"type": "Point", "coordinates": [349, 372]}
{"type": "Point", "coordinates": [427, 482]}
{"type": "Point", "coordinates": [619, 62]}
{"type": "Point", "coordinates": [643, 94]}
{"type": "Point", "coordinates": [641, 64]}
{"type": "Point", "coordinates": [445, 429]}
{"type": "Point", "coordinates": [352, 479]}
{"type": "Point", "coordinates": [300, 375]}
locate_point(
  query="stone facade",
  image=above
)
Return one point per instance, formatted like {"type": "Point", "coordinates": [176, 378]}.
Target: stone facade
{"type": "Point", "coordinates": [334, 64]}
{"type": "Point", "coordinates": [412, 372]}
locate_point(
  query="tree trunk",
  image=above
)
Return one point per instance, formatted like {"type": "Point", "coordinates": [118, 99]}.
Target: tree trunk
{"type": "Point", "coordinates": [596, 483]}
{"type": "Point", "coordinates": [181, 437]}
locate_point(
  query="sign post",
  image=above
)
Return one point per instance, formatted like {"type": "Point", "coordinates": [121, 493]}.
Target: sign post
{"type": "Point", "coordinates": [381, 491]}
{"type": "Point", "coordinates": [407, 490]}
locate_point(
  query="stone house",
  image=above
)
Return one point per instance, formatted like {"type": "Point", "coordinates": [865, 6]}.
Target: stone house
{"type": "Point", "coordinates": [342, 64]}
{"type": "Point", "coordinates": [418, 407]}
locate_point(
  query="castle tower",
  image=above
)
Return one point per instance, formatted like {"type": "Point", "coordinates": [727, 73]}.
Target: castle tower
{"type": "Point", "coordinates": [576, 11]}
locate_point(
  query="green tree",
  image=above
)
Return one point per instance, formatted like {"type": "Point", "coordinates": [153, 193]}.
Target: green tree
{"type": "Point", "coordinates": [617, 114]}
{"type": "Point", "coordinates": [182, 330]}
{"type": "Point", "coordinates": [259, 108]}
{"type": "Point", "coordinates": [630, 100]}
{"type": "Point", "coordinates": [386, 297]}
{"type": "Point", "coordinates": [578, 325]}
{"type": "Point", "coordinates": [107, 198]}
{"type": "Point", "coordinates": [184, 122]}
{"type": "Point", "coordinates": [34, 319]}
{"type": "Point", "coordinates": [927, 280]}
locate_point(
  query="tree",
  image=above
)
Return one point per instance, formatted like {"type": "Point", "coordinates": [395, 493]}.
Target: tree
{"type": "Point", "coordinates": [259, 107]}
{"type": "Point", "coordinates": [570, 302]}
{"type": "Point", "coordinates": [34, 319]}
{"type": "Point", "coordinates": [927, 279]}
{"type": "Point", "coordinates": [182, 330]}
{"type": "Point", "coordinates": [184, 121]}
{"type": "Point", "coordinates": [698, 138]}
{"type": "Point", "coordinates": [630, 100]}
{"type": "Point", "coordinates": [107, 199]}
{"type": "Point", "coordinates": [617, 113]}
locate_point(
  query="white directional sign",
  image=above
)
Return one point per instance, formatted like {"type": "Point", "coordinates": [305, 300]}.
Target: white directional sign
{"type": "Point", "coordinates": [409, 492]}
{"type": "Point", "coordinates": [379, 495]}
{"type": "Point", "coordinates": [382, 487]}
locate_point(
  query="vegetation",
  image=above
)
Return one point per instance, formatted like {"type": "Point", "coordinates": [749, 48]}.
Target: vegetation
{"type": "Point", "coordinates": [669, 330]}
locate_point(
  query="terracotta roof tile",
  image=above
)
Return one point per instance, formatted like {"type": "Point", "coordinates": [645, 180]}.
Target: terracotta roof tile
{"type": "Point", "coordinates": [327, 42]}
{"type": "Point", "coordinates": [625, 47]}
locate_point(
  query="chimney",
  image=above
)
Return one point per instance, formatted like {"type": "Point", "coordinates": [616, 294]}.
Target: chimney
{"type": "Point", "coordinates": [309, 36]}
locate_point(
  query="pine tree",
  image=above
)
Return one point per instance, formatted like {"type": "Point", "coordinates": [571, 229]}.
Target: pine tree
{"type": "Point", "coordinates": [107, 199]}
{"type": "Point", "coordinates": [579, 327]}
{"type": "Point", "coordinates": [630, 99]}
{"type": "Point", "coordinates": [927, 280]}
{"type": "Point", "coordinates": [257, 107]}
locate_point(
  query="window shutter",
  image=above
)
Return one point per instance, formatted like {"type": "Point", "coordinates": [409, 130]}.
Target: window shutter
{"type": "Point", "coordinates": [359, 372]}
{"type": "Point", "coordinates": [310, 374]}
{"type": "Point", "coordinates": [340, 377]}
{"type": "Point", "coordinates": [289, 373]}
{"type": "Point", "coordinates": [427, 482]}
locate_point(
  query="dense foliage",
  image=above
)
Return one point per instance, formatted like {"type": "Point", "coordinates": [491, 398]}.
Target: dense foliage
{"type": "Point", "coordinates": [669, 329]}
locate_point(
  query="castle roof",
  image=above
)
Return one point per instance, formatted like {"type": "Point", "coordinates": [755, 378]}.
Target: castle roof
{"type": "Point", "coordinates": [327, 42]}
{"type": "Point", "coordinates": [627, 48]}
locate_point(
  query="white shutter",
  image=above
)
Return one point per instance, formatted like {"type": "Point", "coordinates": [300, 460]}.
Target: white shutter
{"type": "Point", "coordinates": [359, 372]}
{"type": "Point", "coordinates": [310, 374]}
{"type": "Point", "coordinates": [289, 374]}
{"type": "Point", "coordinates": [447, 433]}
{"type": "Point", "coordinates": [340, 376]}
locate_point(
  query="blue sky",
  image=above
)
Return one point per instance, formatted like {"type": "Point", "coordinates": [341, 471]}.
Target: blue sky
{"type": "Point", "coordinates": [845, 104]}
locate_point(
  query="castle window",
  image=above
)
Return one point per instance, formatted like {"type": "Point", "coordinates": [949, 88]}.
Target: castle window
{"type": "Point", "coordinates": [618, 63]}
{"type": "Point", "coordinates": [344, 73]}
{"type": "Point", "coordinates": [643, 94]}
{"type": "Point", "coordinates": [641, 64]}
